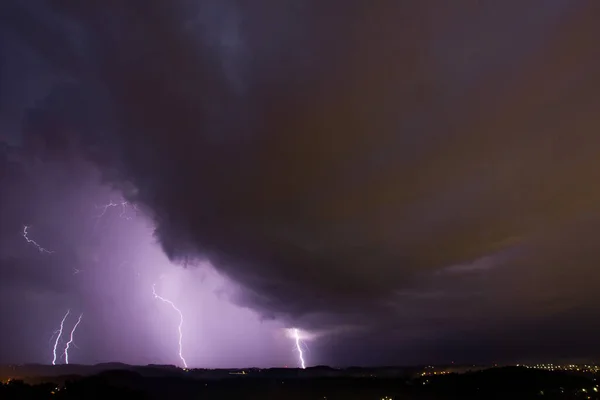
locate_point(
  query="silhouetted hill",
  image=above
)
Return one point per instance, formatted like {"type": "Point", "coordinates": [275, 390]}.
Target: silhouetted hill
{"type": "Point", "coordinates": [320, 368]}
{"type": "Point", "coordinates": [496, 383]}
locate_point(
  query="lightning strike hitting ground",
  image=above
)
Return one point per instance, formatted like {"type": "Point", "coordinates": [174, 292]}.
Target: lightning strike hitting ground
{"type": "Point", "coordinates": [299, 348]}
{"type": "Point", "coordinates": [60, 331]}
{"type": "Point", "coordinates": [180, 322]}
{"type": "Point", "coordinates": [33, 242]}
{"type": "Point", "coordinates": [71, 338]}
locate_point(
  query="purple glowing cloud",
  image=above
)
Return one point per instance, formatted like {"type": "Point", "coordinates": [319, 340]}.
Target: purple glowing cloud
{"type": "Point", "coordinates": [120, 267]}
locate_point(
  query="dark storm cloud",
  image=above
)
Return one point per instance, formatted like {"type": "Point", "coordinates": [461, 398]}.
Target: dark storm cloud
{"type": "Point", "coordinates": [368, 161]}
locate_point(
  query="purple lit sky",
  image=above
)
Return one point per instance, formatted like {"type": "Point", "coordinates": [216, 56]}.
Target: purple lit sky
{"type": "Point", "coordinates": [405, 182]}
{"type": "Point", "coordinates": [105, 268]}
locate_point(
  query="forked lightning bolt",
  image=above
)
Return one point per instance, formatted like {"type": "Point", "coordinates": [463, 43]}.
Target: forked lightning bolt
{"type": "Point", "coordinates": [180, 321]}
{"type": "Point", "coordinates": [110, 204]}
{"type": "Point", "coordinates": [60, 331]}
{"type": "Point", "coordinates": [33, 242]}
{"type": "Point", "coordinates": [71, 338]}
{"type": "Point", "coordinates": [299, 348]}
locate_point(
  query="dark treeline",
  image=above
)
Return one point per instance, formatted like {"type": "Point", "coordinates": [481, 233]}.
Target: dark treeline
{"type": "Point", "coordinates": [497, 383]}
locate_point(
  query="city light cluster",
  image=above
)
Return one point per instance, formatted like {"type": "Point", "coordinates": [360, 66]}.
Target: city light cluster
{"type": "Point", "coordinates": [429, 373]}
{"type": "Point", "coordinates": [587, 368]}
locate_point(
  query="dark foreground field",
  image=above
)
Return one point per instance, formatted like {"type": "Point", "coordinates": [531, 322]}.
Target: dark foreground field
{"type": "Point", "coordinates": [496, 383]}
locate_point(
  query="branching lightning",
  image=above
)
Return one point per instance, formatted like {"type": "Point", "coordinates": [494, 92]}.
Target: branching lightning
{"type": "Point", "coordinates": [33, 242]}
{"type": "Point", "coordinates": [110, 204]}
{"type": "Point", "coordinates": [71, 338]}
{"type": "Point", "coordinates": [60, 331]}
{"type": "Point", "coordinates": [299, 348]}
{"type": "Point", "coordinates": [180, 321]}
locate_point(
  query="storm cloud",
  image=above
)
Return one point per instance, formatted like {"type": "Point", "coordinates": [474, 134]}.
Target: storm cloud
{"type": "Point", "coordinates": [417, 170]}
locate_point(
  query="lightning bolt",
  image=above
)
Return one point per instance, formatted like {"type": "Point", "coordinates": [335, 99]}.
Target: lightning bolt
{"type": "Point", "coordinates": [60, 331]}
{"type": "Point", "coordinates": [33, 242]}
{"type": "Point", "coordinates": [156, 296]}
{"type": "Point", "coordinates": [299, 348]}
{"type": "Point", "coordinates": [110, 204]}
{"type": "Point", "coordinates": [71, 338]}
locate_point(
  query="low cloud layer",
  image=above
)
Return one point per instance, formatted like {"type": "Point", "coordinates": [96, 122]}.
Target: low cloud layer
{"type": "Point", "coordinates": [372, 167]}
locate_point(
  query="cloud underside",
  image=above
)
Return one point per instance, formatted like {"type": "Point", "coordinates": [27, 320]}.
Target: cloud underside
{"type": "Point", "coordinates": [342, 170]}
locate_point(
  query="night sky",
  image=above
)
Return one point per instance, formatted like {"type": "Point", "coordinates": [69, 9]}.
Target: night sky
{"type": "Point", "coordinates": [402, 181]}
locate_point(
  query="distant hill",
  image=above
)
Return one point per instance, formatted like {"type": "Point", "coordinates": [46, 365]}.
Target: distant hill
{"type": "Point", "coordinates": [320, 382]}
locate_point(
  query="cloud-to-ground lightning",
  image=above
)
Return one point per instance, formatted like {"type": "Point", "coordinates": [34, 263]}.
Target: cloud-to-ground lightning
{"type": "Point", "coordinates": [299, 348]}
{"type": "Point", "coordinates": [33, 242]}
{"type": "Point", "coordinates": [180, 322]}
{"type": "Point", "coordinates": [60, 331]}
{"type": "Point", "coordinates": [71, 338]}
